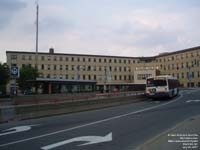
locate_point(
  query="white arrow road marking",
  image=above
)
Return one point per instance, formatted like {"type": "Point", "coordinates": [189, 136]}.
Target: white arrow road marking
{"type": "Point", "coordinates": [88, 139]}
{"type": "Point", "coordinates": [188, 101]}
{"type": "Point", "coordinates": [17, 129]}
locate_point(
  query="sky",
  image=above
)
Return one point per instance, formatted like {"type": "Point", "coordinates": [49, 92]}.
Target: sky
{"type": "Point", "coordinates": [101, 27]}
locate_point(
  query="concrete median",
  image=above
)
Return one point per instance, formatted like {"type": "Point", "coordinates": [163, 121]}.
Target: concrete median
{"type": "Point", "coordinates": [28, 111]}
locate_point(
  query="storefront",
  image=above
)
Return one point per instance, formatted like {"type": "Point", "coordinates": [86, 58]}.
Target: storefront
{"type": "Point", "coordinates": [50, 85]}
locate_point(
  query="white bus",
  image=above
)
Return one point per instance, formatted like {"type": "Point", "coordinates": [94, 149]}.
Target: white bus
{"type": "Point", "coordinates": [162, 86]}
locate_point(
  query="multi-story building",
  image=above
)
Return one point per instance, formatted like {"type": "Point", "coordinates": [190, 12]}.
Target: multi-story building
{"type": "Point", "coordinates": [114, 71]}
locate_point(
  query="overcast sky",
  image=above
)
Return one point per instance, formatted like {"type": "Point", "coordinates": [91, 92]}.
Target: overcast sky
{"type": "Point", "coordinates": [105, 27]}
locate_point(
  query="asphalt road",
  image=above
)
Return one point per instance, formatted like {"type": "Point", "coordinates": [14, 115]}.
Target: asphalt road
{"type": "Point", "coordinates": [116, 128]}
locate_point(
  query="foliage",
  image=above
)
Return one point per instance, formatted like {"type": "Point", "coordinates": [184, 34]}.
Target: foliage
{"type": "Point", "coordinates": [27, 72]}
{"type": "Point", "coordinates": [4, 76]}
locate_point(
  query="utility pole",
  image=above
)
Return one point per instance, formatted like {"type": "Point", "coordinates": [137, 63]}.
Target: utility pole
{"type": "Point", "coordinates": [36, 47]}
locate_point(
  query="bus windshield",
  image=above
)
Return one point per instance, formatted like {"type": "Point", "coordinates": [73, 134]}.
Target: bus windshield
{"type": "Point", "coordinates": [157, 82]}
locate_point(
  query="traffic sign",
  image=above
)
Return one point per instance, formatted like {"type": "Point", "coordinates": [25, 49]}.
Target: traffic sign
{"type": "Point", "coordinates": [14, 72]}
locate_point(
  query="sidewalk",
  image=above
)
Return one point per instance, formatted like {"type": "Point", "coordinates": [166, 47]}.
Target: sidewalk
{"type": "Point", "coordinates": [184, 136]}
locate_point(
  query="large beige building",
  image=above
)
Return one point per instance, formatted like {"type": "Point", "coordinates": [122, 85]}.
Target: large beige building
{"type": "Point", "coordinates": [112, 70]}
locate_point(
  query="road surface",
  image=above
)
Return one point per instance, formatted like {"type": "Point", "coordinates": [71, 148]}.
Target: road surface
{"type": "Point", "coordinates": [115, 128]}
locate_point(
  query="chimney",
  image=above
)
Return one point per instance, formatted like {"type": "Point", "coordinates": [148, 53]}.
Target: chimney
{"type": "Point", "coordinates": [51, 50]}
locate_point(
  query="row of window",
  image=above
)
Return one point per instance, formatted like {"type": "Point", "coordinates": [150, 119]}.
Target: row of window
{"type": "Point", "coordinates": [83, 68]}
{"type": "Point", "coordinates": [143, 76]}
{"type": "Point", "coordinates": [179, 57]}
{"type": "Point", "coordinates": [91, 77]}
{"type": "Point", "coordinates": [188, 75]}
{"type": "Point", "coordinates": [77, 59]}
{"type": "Point", "coordinates": [189, 65]}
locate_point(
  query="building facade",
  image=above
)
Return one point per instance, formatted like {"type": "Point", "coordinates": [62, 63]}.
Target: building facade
{"type": "Point", "coordinates": [112, 70]}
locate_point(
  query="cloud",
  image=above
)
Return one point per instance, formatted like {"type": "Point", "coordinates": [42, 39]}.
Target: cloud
{"type": "Point", "coordinates": [7, 10]}
{"type": "Point", "coordinates": [128, 28]}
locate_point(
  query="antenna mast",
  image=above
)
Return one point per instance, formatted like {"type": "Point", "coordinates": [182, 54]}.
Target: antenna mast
{"type": "Point", "coordinates": [36, 47]}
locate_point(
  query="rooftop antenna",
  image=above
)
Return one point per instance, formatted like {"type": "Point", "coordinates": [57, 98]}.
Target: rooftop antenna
{"type": "Point", "coordinates": [36, 47]}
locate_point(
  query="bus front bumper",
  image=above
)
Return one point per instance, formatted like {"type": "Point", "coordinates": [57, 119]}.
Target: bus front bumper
{"type": "Point", "coordinates": [157, 94]}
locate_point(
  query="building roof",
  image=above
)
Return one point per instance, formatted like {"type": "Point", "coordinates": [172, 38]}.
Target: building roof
{"type": "Point", "coordinates": [109, 56]}
{"type": "Point", "coordinates": [62, 80]}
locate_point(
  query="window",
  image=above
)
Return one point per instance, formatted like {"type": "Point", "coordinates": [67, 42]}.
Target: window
{"type": "Point", "coordinates": [168, 67]}
{"type": "Point", "coordinates": [66, 59]}
{"type": "Point", "coordinates": [95, 77]}
{"type": "Point", "coordinates": [115, 69]}
{"type": "Point", "coordinates": [124, 69]}
{"type": "Point", "coordinates": [78, 59]}
{"type": "Point", "coordinates": [110, 68]}
{"type": "Point", "coordinates": [177, 75]}
{"type": "Point", "coordinates": [61, 59]}
{"type": "Point", "coordinates": [182, 65]}
{"type": "Point", "coordinates": [89, 77]}
{"type": "Point", "coordinates": [99, 68]}
{"type": "Point", "coordinates": [192, 74]}
{"type": "Point", "coordinates": [183, 75]}
{"type": "Point", "coordinates": [99, 59]}
{"type": "Point", "coordinates": [49, 58]}
{"type": "Point", "coordinates": [115, 77]}
{"type": "Point", "coordinates": [110, 60]}
{"type": "Point", "coordinates": [72, 58]}
{"type": "Point", "coordinates": [105, 60]}
{"type": "Point", "coordinates": [129, 77]}
{"type": "Point", "coordinates": [48, 67]}
{"type": "Point", "coordinates": [89, 60]}
{"type": "Point", "coordinates": [124, 77]}
{"type": "Point", "coordinates": [187, 64]}
{"type": "Point", "coordinates": [66, 76]}
{"type": "Point", "coordinates": [72, 67]}
{"type": "Point", "coordinates": [172, 66]}
{"type": "Point", "coordinates": [120, 77]}
{"type": "Point", "coordinates": [124, 61]}
{"type": "Point", "coordinates": [78, 68]}
{"type": "Point", "coordinates": [83, 68]}
{"type": "Point", "coordinates": [54, 67]}
{"type": "Point", "coordinates": [120, 60]}
{"type": "Point", "coordinates": [66, 67]}
{"type": "Point", "coordinates": [30, 57]}
{"type": "Point", "coordinates": [60, 67]}
{"type": "Point", "coordinates": [83, 59]}
{"type": "Point", "coordinates": [23, 57]}
{"type": "Point", "coordinates": [42, 67]}
{"type": "Point", "coordinates": [120, 68]}
{"type": "Point", "coordinates": [94, 59]}
{"type": "Point", "coordinates": [152, 82]}
{"type": "Point", "coordinates": [42, 57]}
{"type": "Point", "coordinates": [94, 68]}
{"type": "Point", "coordinates": [13, 57]}
{"type": "Point", "coordinates": [115, 61]}
{"type": "Point", "coordinates": [55, 58]}
{"type": "Point", "coordinates": [89, 68]}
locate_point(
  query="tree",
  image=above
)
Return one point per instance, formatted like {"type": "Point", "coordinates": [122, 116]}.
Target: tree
{"type": "Point", "coordinates": [4, 77]}
{"type": "Point", "coordinates": [27, 72]}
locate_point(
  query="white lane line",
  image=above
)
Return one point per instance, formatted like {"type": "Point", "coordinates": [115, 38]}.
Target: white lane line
{"type": "Point", "coordinates": [188, 101]}
{"type": "Point", "coordinates": [88, 124]}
